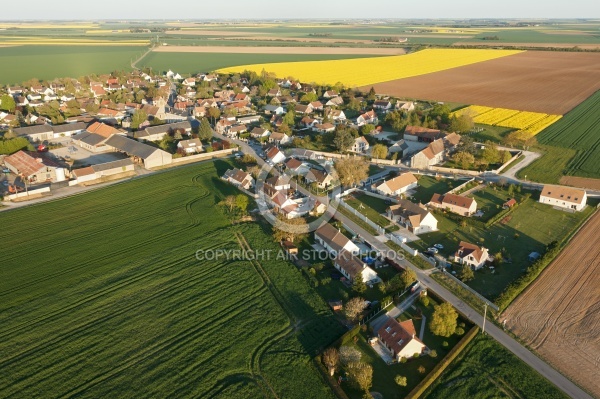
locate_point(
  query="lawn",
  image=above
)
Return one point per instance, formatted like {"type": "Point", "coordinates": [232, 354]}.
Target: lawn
{"type": "Point", "coordinates": [430, 185]}
{"type": "Point", "coordinates": [190, 63]}
{"type": "Point", "coordinates": [531, 227]}
{"type": "Point", "coordinates": [490, 200]}
{"type": "Point", "coordinates": [103, 296]}
{"type": "Point", "coordinates": [488, 370]}
{"type": "Point", "coordinates": [383, 374]}
{"type": "Point", "coordinates": [550, 167]}
{"type": "Point", "coordinates": [48, 62]}
{"type": "Point", "coordinates": [371, 207]}
{"type": "Point", "coordinates": [491, 133]}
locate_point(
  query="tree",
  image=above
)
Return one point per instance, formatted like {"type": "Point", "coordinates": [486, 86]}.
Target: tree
{"type": "Point", "coordinates": [214, 113]}
{"type": "Point", "coordinates": [371, 95]}
{"type": "Point", "coordinates": [343, 140]}
{"type": "Point", "coordinates": [466, 273]}
{"type": "Point", "coordinates": [11, 146]}
{"type": "Point", "coordinates": [463, 159]}
{"type": "Point", "coordinates": [309, 97]}
{"type": "Point", "coordinates": [349, 355]}
{"type": "Point", "coordinates": [352, 171]}
{"type": "Point", "coordinates": [205, 132]}
{"type": "Point", "coordinates": [354, 307]}
{"type": "Point", "coordinates": [7, 103]}
{"type": "Point", "coordinates": [362, 375]}
{"type": "Point", "coordinates": [463, 123]}
{"type": "Point", "coordinates": [358, 285]}
{"type": "Point", "coordinates": [288, 118]}
{"type": "Point", "coordinates": [490, 152]}
{"type": "Point", "coordinates": [498, 259]}
{"type": "Point", "coordinates": [505, 156]}
{"type": "Point", "coordinates": [379, 151]}
{"type": "Point", "coordinates": [443, 321]}
{"type": "Point", "coordinates": [331, 358]}
{"type": "Point", "coordinates": [289, 229]}
{"type": "Point", "coordinates": [241, 202]}
{"type": "Point", "coordinates": [138, 117]}
{"type": "Point", "coordinates": [408, 277]}
{"type": "Point", "coordinates": [400, 380]}
{"type": "Point", "coordinates": [367, 129]}
{"type": "Point", "coordinates": [230, 202]}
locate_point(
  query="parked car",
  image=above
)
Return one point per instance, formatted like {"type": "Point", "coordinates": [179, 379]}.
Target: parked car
{"type": "Point", "coordinates": [431, 258]}
{"type": "Point", "coordinates": [438, 246]}
{"type": "Point", "coordinates": [432, 250]}
{"type": "Point", "coordinates": [5, 183]}
{"type": "Point", "coordinates": [5, 170]}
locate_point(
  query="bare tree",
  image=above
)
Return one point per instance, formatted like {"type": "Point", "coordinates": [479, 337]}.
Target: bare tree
{"type": "Point", "coordinates": [331, 358]}
{"type": "Point", "coordinates": [354, 307]}
{"type": "Point", "coordinates": [349, 355]}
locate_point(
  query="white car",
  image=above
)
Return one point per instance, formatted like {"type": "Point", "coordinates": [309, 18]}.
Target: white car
{"type": "Point", "coordinates": [438, 246]}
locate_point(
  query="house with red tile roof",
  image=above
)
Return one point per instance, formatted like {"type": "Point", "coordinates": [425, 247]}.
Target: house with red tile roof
{"type": "Point", "coordinates": [471, 254]}
{"type": "Point", "coordinates": [400, 339]}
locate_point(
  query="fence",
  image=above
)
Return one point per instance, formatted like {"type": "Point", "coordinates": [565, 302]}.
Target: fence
{"type": "Point", "coordinates": [362, 217]}
{"type": "Point", "coordinates": [28, 193]}
{"type": "Point", "coordinates": [205, 156]}
{"type": "Point", "coordinates": [454, 171]}
{"type": "Point", "coordinates": [401, 241]}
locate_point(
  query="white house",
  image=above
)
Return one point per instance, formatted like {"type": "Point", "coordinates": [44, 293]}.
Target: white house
{"type": "Point", "coordinates": [274, 109]}
{"type": "Point", "coordinates": [191, 146]}
{"type": "Point", "coordinates": [382, 105]}
{"type": "Point", "coordinates": [275, 156]}
{"type": "Point", "coordinates": [406, 106]}
{"type": "Point", "coordinates": [352, 267]}
{"type": "Point", "coordinates": [333, 240]}
{"type": "Point", "coordinates": [361, 145]}
{"type": "Point", "coordinates": [367, 117]}
{"type": "Point", "coordinates": [471, 254]}
{"type": "Point", "coordinates": [401, 339]}
{"type": "Point", "coordinates": [279, 138]}
{"type": "Point", "coordinates": [563, 197]}
{"type": "Point", "coordinates": [415, 217]}
{"type": "Point", "coordinates": [398, 185]}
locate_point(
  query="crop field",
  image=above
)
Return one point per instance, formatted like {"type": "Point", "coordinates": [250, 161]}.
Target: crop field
{"type": "Point", "coordinates": [206, 62]}
{"type": "Point", "coordinates": [281, 50]}
{"type": "Point", "coordinates": [577, 133]}
{"type": "Point", "coordinates": [361, 72]}
{"type": "Point", "coordinates": [536, 81]}
{"type": "Point", "coordinates": [48, 62]}
{"type": "Point", "coordinates": [106, 298]}
{"type": "Point", "coordinates": [528, 124]}
{"type": "Point", "coordinates": [488, 370]}
{"type": "Point", "coordinates": [559, 314]}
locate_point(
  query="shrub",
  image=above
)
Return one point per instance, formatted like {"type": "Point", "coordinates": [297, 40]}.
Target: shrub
{"type": "Point", "coordinates": [421, 369]}
{"type": "Point", "coordinates": [433, 353]}
{"type": "Point", "coordinates": [400, 380]}
{"type": "Point", "coordinates": [403, 360]}
{"type": "Point", "coordinates": [460, 331]}
{"type": "Point", "coordinates": [445, 344]}
{"type": "Point", "coordinates": [425, 301]}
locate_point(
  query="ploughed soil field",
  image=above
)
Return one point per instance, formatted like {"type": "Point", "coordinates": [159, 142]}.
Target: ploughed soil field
{"type": "Point", "coordinates": [538, 81]}
{"type": "Point", "coordinates": [585, 182]}
{"type": "Point", "coordinates": [559, 314]}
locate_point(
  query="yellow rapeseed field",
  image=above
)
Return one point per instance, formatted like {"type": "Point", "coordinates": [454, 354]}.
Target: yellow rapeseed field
{"type": "Point", "coordinates": [528, 123]}
{"type": "Point", "coordinates": [366, 71]}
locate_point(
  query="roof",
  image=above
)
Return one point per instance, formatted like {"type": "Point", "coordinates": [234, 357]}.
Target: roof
{"type": "Point", "coordinates": [452, 199]}
{"type": "Point", "coordinates": [170, 127]}
{"type": "Point", "coordinates": [452, 139]}
{"type": "Point", "coordinates": [83, 172]}
{"type": "Point", "coordinates": [102, 129]}
{"type": "Point", "coordinates": [293, 163]}
{"type": "Point", "coordinates": [27, 164]}
{"type": "Point", "coordinates": [409, 210]}
{"type": "Point", "coordinates": [398, 182]}
{"type": "Point", "coordinates": [35, 129]}
{"type": "Point", "coordinates": [510, 202]}
{"type": "Point", "coordinates": [112, 165]}
{"type": "Point", "coordinates": [191, 143]}
{"type": "Point", "coordinates": [568, 194]}
{"type": "Point", "coordinates": [317, 175]}
{"type": "Point", "coordinates": [361, 139]}
{"type": "Point", "coordinates": [69, 127]}
{"type": "Point", "coordinates": [465, 249]}
{"type": "Point", "coordinates": [350, 263]}
{"type": "Point", "coordinates": [89, 138]}
{"type": "Point", "coordinates": [369, 115]}
{"type": "Point", "coordinates": [272, 152]}
{"type": "Point", "coordinates": [131, 146]}
{"type": "Point", "coordinates": [259, 131]}
{"type": "Point", "coordinates": [325, 126]}
{"type": "Point", "coordinates": [332, 236]}
{"type": "Point", "coordinates": [236, 175]}
{"type": "Point", "coordinates": [278, 181]}
{"type": "Point", "coordinates": [278, 136]}
{"type": "Point", "coordinates": [397, 335]}
{"type": "Point", "coordinates": [421, 131]}
{"type": "Point", "coordinates": [434, 148]}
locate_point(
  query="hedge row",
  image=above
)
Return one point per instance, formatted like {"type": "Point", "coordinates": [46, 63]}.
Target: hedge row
{"type": "Point", "coordinates": [11, 146]}
{"type": "Point", "coordinates": [442, 365]}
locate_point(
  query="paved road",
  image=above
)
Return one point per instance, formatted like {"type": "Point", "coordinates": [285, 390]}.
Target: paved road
{"type": "Point", "coordinates": [492, 330]}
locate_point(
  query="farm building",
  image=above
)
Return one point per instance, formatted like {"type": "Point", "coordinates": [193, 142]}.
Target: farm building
{"type": "Point", "coordinates": [35, 167]}
{"type": "Point", "coordinates": [400, 339]}
{"type": "Point", "coordinates": [352, 267]}
{"type": "Point", "coordinates": [471, 254]}
{"type": "Point", "coordinates": [98, 171]}
{"type": "Point", "coordinates": [156, 133]}
{"type": "Point", "coordinates": [95, 136]}
{"type": "Point", "coordinates": [151, 157]}
{"type": "Point", "coordinates": [433, 154]}
{"type": "Point", "coordinates": [564, 197]}
{"type": "Point", "coordinates": [398, 185]}
{"type": "Point", "coordinates": [333, 240]}
{"type": "Point", "coordinates": [454, 203]}
{"type": "Point", "coordinates": [415, 217]}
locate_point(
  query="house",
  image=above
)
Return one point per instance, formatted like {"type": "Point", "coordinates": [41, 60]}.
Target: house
{"type": "Point", "coordinates": [367, 118]}
{"type": "Point", "coordinates": [471, 254]}
{"type": "Point", "coordinates": [398, 185]}
{"type": "Point", "coordinates": [361, 145]}
{"type": "Point", "coordinates": [335, 102]}
{"type": "Point", "coordinates": [454, 203]}
{"type": "Point", "coordinates": [35, 167]}
{"type": "Point", "coordinates": [337, 115]}
{"type": "Point", "coordinates": [240, 178]}
{"type": "Point", "coordinates": [319, 208]}
{"type": "Point", "coordinates": [274, 109]}
{"type": "Point", "coordinates": [353, 268]}
{"type": "Point", "coordinates": [249, 119]}
{"type": "Point", "coordinates": [279, 182]}
{"type": "Point", "coordinates": [398, 147]}
{"type": "Point", "coordinates": [400, 338]}
{"type": "Point", "coordinates": [150, 156]}
{"type": "Point", "coordinates": [330, 94]}
{"type": "Point", "coordinates": [274, 155]}
{"type": "Point", "coordinates": [236, 130]}
{"type": "Point", "coordinates": [284, 204]}
{"type": "Point", "coordinates": [107, 113]}
{"type": "Point", "coordinates": [279, 138]}
{"type": "Point", "coordinates": [433, 154]}
{"type": "Point", "coordinates": [223, 126]}
{"type": "Point", "coordinates": [190, 82]}
{"type": "Point", "coordinates": [308, 122]}
{"type": "Point", "coordinates": [563, 197]}
{"type": "Point", "coordinates": [289, 247]}
{"type": "Point", "coordinates": [317, 105]}
{"type": "Point", "coordinates": [321, 178]}
{"type": "Point", "coordinates": [509, 204]}
{"type": "Point", "coordinates": [294, 165]}
{"type": "Point", "coordinates": [323, 127]}
{"type": "Point", "coordinates": [259, 132]}
{"type": "Point", "coordinates": [303, 109]}
{"type": "Point", "coordinates": [191, 146]}
{"type": "Point", "coordinates": [334, 241]}
{"type": "Point", "coordinates": [98, 171]}
{"type": "Point", "coordinates": [405, 106]}
{"type": "Point", "coordinates": [415, 217]}
{"type": "Point", "coordinates": [422, 134]}
{"type": "Point", "coordinates": [274, 93]}
{"type": "Point", "coordinates": [382, 105]}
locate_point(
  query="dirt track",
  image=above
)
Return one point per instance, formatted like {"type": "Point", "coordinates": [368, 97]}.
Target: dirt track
{"type": "Point", "coordinates": [559, 314]}
{"type": "Point", "coordinates": [539, 81]}
{"type": "Point", "coordinates": [279, 50]}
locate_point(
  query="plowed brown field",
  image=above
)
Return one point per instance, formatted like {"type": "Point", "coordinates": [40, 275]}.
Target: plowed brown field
{"type": "Point", "coordinates": [559, 314]}
{"type": "Point", "coordinates": [584, 182]}
{"type": "Point", "coordinates": [538, 81]}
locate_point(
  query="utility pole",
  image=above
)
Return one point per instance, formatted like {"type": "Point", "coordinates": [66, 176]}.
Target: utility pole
{"type": "Point", "coordinates": [484, 317]}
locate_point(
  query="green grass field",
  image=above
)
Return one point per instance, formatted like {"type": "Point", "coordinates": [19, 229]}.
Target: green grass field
{"type": "Point", "coordinates": [576, 132]}
{"type": "Point", "coordinates": [189, 63]}
{"type": "Point", "coordinates": [487, 370]}
{"type": "Point", "coordinates": [102, 296]}
{"type": "Point", "coordinates": [430, 185]}
{"type": "Point", "coordinates": [49, 62]}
